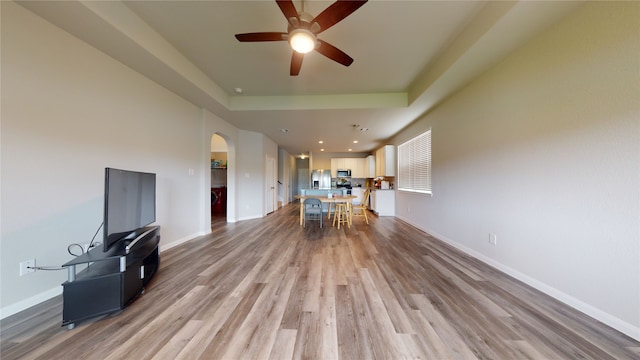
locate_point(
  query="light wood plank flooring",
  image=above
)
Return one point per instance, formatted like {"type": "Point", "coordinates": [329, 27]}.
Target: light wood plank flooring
{"type": "Point", "coordinates": [270, 289]}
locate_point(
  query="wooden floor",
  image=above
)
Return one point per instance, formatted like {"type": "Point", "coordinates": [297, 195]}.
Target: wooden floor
{"type": "Point", "coordinates": [270, 289]}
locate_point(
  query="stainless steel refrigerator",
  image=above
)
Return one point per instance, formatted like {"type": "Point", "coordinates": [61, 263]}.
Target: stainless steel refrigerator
{"type": "Point", "coordinates": [321, 179]}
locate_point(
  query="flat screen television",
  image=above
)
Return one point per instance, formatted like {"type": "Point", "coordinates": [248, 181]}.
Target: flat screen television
{"type": "Point", "coordinates": [129, 204]}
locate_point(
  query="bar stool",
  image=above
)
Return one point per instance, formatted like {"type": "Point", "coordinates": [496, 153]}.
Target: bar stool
{"type": "Point", "coordinates": [342, 214]}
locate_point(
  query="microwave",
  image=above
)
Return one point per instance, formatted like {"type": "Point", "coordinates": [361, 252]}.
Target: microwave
{"type": "Point", "coordinates": [343, 173]}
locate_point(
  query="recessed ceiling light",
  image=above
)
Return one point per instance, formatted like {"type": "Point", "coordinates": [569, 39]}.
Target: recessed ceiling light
{"type": "Point", "coordinates": [321, 149]}
{"type": "Point", "coordinates": [350, 149]}
{"type": "Point", "coordinates": [355, 141]}
{"type": "Point", "coordinates": [320, 142]}
{"type": "Point", "coordinates": [238, 90]}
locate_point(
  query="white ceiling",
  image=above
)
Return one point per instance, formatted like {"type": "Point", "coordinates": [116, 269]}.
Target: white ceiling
{"type": "Point", "coordinates": [408, 57]}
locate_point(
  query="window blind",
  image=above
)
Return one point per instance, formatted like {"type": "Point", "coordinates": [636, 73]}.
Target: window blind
{"type": "Point", "coordinates": [414, 164]}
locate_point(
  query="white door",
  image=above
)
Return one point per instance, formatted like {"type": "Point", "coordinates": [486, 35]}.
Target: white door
{"type": "Point", "coordinates": [271, 181]}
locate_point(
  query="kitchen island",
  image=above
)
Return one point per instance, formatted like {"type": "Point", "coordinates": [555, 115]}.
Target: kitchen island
{"type": "Point", "coordinates": [383, 202]}
{"type": "Point", "coordinates": [323, 192]}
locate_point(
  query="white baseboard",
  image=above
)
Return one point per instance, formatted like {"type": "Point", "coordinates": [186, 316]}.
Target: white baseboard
{"type": "Point", "coordinates": [29, 302]}
{"type": "Point", "coordinates": [250, 217]}
{"type": "Point", "coordinates": [602, 316]}
{"type": "Point", "coordinates": [183, 240]}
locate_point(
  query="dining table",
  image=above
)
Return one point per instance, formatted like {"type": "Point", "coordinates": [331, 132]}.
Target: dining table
{"type": "Point", "coordinates": [325, 199]}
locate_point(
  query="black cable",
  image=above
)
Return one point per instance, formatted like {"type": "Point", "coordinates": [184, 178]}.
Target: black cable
{"type": "Point", "coordinates": [82, 250]}
{"type": "Point", "coordinates": [49, 268]}
{"type": "Point", "coordinates": [72, 245]}
{"type": "Point", "coordinates": [56, 268]}
{"type": "Point", "coordinates": [94, 236]}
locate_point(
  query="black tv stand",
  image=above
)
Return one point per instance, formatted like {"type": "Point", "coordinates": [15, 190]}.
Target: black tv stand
{"type": "Point", "coordinates": [111, 280]}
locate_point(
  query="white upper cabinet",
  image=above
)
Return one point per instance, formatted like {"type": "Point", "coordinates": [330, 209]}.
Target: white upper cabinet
{"type": "Point", "coordinates": [370, 167]}
{"type": "Point", "coordinates": [357, 168]}
{"type": "Point", "coordinates": [336, 163]}
{"type": "Point", "coordinates": [386, 161]}
{"type": "Point", "coordinates": [356, 165]}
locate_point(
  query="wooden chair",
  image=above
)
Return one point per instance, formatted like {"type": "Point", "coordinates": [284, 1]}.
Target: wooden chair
{"type": "Point", "coordinates": [312, 210]}
{"type": "Point", "coordinates": [362, 208]}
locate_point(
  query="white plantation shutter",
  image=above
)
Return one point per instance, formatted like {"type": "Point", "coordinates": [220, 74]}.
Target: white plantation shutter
{"type": "Point", "coordinates": [414, 164]}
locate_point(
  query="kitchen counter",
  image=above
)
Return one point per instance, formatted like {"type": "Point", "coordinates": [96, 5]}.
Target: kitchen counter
{"type": "Point", "coordinates": [383, 202]}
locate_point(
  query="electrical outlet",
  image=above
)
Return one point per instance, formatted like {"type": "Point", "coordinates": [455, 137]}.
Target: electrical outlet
{"type": "Point", "coordinates": [27, 266]}
{"type": "Point", "coordinates": [493, 239]}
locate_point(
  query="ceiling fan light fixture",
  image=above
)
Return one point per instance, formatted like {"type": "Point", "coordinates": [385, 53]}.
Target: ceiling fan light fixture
{"type": "Point", "coordinates": [302, 40]}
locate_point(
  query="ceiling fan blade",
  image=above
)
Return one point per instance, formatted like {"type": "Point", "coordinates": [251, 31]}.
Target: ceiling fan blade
{"type": "Point", "coordinates": [333, 53]}
{"type": "Point", "coordinates": [335, 13]}
{"type": "Point", "coordinates": [289, 11]}
{"type": "Point", "coordinates": [296, 63]}
{"type": "Point", "coordinates": [262, 36]}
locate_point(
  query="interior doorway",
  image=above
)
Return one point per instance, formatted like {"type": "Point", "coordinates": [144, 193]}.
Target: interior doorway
{"type": "Point", "coordinates": [219, 176]}
{"type": "Point", "coordinates": [304, 178]}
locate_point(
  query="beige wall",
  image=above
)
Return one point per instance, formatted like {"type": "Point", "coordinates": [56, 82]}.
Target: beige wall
{"type": "Point", "coordinates": [69, 111]}
{"type": "Point", "coordinates": [64, 119]}
{"type": "Point", "coordinates": [544, 151]}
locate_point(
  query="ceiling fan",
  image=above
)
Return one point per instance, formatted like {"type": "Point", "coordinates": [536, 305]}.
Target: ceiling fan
{"type": "Point", "coordinates": [303, 29]}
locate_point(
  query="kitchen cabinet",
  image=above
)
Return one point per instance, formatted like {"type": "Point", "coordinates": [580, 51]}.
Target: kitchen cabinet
{"type": "Point", "coordinates": [356, 191]}
{"type": "Point", "coordinates": [386, 161]}
{"type": "Point", "coordinates": [337, 163]}
{"type": "Point", "coordinates": [383, 202]}
{"type": "Point", "coordinates": [372, 201]}
{"type": "Point", "coordinates": [370, 167]}
{"type": "Point", "coordinates": [356, 165]}
{"type": "Point", "coordinates": [357, 168]}
{"type": "Point", "coordinates": [218, 177]}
